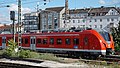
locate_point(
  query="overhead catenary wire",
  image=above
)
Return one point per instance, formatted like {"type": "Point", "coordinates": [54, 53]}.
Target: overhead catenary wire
{"type": "Point", "coordinates": [24, 1]}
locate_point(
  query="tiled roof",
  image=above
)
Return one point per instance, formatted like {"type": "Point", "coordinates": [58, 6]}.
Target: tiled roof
{"type": "Point", "coordinates": [118, 9]}
{"type": "Point", "coordinates": [57, 9]}
{"type": "Point", "coordinates": [100, 9]}
{"type": "Point", "coordinates": [5, 27]}
{"type": "Point", "coordinates": [93, 10]}
{"type": "Point", "coordinates": [73, 11]}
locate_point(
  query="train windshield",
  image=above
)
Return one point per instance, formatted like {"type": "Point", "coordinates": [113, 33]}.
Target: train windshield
{"type": "Point", "coordinates": [105, 35]}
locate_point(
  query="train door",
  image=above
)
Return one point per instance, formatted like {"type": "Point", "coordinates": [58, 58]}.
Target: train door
{"type": "Point", "coordinates": [33, 43]}
{"type": "Point", "coordinates": [3, 42]}
{"type": "Point", "coordinates": [86, 42]}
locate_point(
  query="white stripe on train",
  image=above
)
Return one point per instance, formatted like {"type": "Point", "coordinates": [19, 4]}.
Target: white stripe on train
{"type": "Point", "coordinates": [85, 50]}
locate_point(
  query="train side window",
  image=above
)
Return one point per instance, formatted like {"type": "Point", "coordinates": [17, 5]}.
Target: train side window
{"type": "Point", "coordinates": [51, 40]}
{"type": "Point", "coordinates": [86, 40]}
{"type": "Point", "coordinates": [39, 41]}
{"type": "Point", "coordinates": [45, 41]}
{"type": "Point", "coordinates": [75, 41]}
{"type": "Point", "coordinates": [26, 41]}
{"type": "Point", "coordinates": [67, 41]}
{"type": "Point", "coordinates": [59, 41]}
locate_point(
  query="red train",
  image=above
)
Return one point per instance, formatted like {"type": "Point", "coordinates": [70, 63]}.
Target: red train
{"type": "Point", "coordinates": [84, 43]}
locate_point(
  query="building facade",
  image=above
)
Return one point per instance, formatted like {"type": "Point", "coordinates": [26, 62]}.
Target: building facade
{"type": "Point", "coordinates": [8, 29]}
{"type": "Point", "coordinates": [30, 22]}
{"type": "Point", "coordinates": [54, 18]}
{"type": "Point", "coordinates": [102, 18]}
{"type": "Point", "coordinates": [51, 18]}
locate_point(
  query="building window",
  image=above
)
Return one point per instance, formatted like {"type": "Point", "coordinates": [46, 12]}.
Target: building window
{"type": "Point", "coordinates": [73, 21]}
{"type": "Point", "coordinates": [67, 41]}
{"type": "Point", "coordinates": [51, 40]}
{"type": "Point", "coordinates": [75, 41]}
{"type": "Point", "coordinates": [78, 21]}
{"type": "Point", "coordinates": [95, 20]}
{"type": "Point", "coordinates": [59, 41]}
{"type": "Point", "coordinates": [50, 27]}
{"type": "Point", "coordinates": [90, 26]}
{"type": "Point", "coordinates": [95, 26]}
{"type": "Point", "coordinates": [112, 19]}
{"type": "Point", "coordinates": [100, 20]}
{"type": "Point", "coordinates": [100, 26]}
{"type": "Point", "coordinates": [83, 26]}
{"type": "Point", "coordinates": [90, 20]}
{"type": "Point", "coordinates": [108, 20]}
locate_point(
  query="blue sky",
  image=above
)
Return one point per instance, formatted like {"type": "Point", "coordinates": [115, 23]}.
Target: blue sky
{"type": "Point", "coordinates": [30, 6]}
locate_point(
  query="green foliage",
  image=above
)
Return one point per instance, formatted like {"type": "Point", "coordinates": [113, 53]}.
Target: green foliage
{"type": "Point", "coordinates": [24, 53]}
{"type": "Point", "coordinates": [11, 49]}
{"type": "Point", "coordinates": [116, 37]}
{"type": "Point", "coordinates": [48, 57]}
{"type": "Point", "coordinates": [28, 54]}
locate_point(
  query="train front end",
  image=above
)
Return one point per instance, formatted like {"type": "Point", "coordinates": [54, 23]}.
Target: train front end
{"type": "Point", "coordinates": [108, 42]}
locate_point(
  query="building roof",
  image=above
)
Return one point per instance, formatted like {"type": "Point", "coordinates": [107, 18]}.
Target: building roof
{"type": "Point", "coordinates": [102, 9]}
{"type": "Point", "coordinates": [57, 9]}
{"type": "Point", "coordinates": [5, 27]}
{"type": "Point", "coordinates": [73, 11]}
{"type": "Point", "coordinates": [118, 9]}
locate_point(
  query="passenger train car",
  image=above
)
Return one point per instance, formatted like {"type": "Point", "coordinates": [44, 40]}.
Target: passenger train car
{"type": "Point", "coordinates": [86, 42]}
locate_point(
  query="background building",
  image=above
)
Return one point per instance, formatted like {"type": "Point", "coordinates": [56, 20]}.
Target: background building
{"type": "Point", "coordinates": [51, 18]}
{"type": "Point", "coordinates": [101, 17]}
{"type": "Point", "coordinates": [54, 18]}
{"type": "Point", "coordinates": [8, 29]}
{"type": "Point", "coordinates": [30, 22]}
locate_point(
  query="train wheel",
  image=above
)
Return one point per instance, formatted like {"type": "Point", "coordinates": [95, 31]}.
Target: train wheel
{"type": "Point", "coordinates": [85, 56]}
{"type": "Point", "coordinates": [93, 57]}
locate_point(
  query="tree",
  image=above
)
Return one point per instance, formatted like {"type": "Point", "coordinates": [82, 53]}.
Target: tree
{"type": "Point", "coordinates": [11, 49]}
{"type": "Point", "coordinates": [116, 36]}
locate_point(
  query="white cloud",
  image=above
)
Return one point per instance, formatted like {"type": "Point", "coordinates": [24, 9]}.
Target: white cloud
{"type": "Point", "coordinates": [14, 7]}
{"type": "Point", "coordinates": [26, 10]}
{"type": "Point", "coordinates": [115, 2]}
{"type": "Point", "coordinates": [102, 1]}
{"type": "Point", "coordinates": [4, 19]}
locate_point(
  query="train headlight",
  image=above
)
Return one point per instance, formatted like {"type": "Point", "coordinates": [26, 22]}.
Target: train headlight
{"type": "Point", "coordinates": [108, 45]}
{"type": "Point", "coordinates": [100, 40]}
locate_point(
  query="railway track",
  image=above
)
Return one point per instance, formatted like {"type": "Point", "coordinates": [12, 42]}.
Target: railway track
{"type": "Point", "coordinates": [15, 65]}
{"type": "Point", "coordinates": [19, 63]}
{"type": "Point", "coordinates": [109, 59]}
{"type": "Point", "coordinates": [106, 59]}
